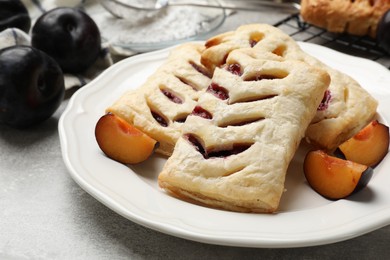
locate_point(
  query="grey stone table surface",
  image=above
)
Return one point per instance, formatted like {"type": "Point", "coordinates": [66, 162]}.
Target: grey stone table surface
{"type": "Point", "coordinates": [44, 214]}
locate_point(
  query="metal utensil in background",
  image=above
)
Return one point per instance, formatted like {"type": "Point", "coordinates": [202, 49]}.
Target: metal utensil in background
{"type": "Point", "coordinates": [123, 8]}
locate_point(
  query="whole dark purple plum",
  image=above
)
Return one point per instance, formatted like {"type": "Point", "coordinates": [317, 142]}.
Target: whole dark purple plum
{"type": "Point", "coordinates": [31, 86]}
{"type": "Point", "coordinates": [383, 32]}
{"type": "Point", "coordinates": [68, 35]}
{"type": "Point", "coordinates": [13, 14]}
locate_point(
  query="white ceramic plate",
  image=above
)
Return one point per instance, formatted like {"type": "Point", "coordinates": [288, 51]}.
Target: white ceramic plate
{"type": "Point", "coordinates": [304, 219]}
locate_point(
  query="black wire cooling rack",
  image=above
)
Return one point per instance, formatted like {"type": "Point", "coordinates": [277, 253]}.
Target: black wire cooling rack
{"type": "Point", "coordinates": [364, 47]}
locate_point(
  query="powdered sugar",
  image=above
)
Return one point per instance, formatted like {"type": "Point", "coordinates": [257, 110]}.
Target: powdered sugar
{"type": "Point", "coordinates": [173, 23]}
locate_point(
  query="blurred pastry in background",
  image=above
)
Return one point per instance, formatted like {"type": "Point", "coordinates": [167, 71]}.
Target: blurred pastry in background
{"type": "Point", "coordinates": [358, 17]}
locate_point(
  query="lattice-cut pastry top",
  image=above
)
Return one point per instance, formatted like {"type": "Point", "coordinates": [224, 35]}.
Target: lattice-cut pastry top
{"type": "Point", "coordinates": [346, 106]}
{"type": "Point", "coordinates": [160, 106]}
{"type": "Point", "coordinates": [238, 142]}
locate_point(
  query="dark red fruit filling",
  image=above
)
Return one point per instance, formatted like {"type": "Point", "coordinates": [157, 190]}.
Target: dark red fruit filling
{"type": "Point", "coordinates": [236, 149]}
{"type": "Point", "coordinates": [243, 122]}
{"type": "Point", "coordinates": [255, 37]}
{"type": "Point", "coordinates": [234, 69]}
{"type": "Point", "coordinates": [200, 69]}
{"type": "Point", "coordinates": [200, 111]}
{"type": "Point", "coordinates": [253, 42]}
{"type": "Point", "coordinates": [261, 77]}
{"type": "Point", "coordinates": [325, 101]}
{"type": "Point", "coordinates": [172, 97]}
{"type": "Point", "coordinates": [181, 119]}
{"type": "Point", "coordinates": [195, 142]}
{"type": "Point", "coordinates": [159, 119]}
{"type": "Point", "coordinates": [218, 91]}
{"type": "Point", "coordinates": [187, 83]}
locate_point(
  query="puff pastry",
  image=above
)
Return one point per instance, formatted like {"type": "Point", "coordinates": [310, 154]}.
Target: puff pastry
{"type": "Point", "coordinates": [159, 107]}
{"type": "Point", "coordinates": [359, 17]}
{"type": "Point", "coordinates": [236, 146]}
{"type": "Point", "coordinates": [346, 106]}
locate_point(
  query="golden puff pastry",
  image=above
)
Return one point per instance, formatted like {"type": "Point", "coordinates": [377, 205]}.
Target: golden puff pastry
{"type": "Point", "coordinates": [359, 17]}
{"type": "Point", "coordinates": [159, 107]}
{"type": "Point", "coordinates": [346, 106]}
{"type": "Point", "coordinates": [237, 144]}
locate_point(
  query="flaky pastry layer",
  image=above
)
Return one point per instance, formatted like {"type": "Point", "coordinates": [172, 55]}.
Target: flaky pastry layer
{"type": "Point", "coordinates": [347, 106]}
{"type": "Point", "coordinates": [159, 106]}
{"type": "Point", "coordinates": [237, 158]}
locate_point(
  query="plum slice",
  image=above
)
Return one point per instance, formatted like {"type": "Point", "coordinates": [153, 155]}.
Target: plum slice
{"type": "Point", "coordinates": [335, 178]}
{"type": "Point", "coordinates": [122, 141]}
{"type": "Point", "coordinates": [369, 146]}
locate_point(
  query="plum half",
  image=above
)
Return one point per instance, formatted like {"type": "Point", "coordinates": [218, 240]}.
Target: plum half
{"type": "Point", "coordinates": [335, 178]}
{"type": "Point", "coordinates": [121, 141]}
{"type": "Point", "coordinates": [369, 146]}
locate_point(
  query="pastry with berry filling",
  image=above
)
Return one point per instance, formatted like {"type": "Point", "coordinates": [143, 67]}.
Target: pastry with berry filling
{"type": "Point", "coordinates": [160, 106]}
{"type": "Point", "coordinates": [358, 17]}
{"type": "Point", "coordinates": [346, 107]}
{"type": "Point", "coordinates": [236, 145]}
